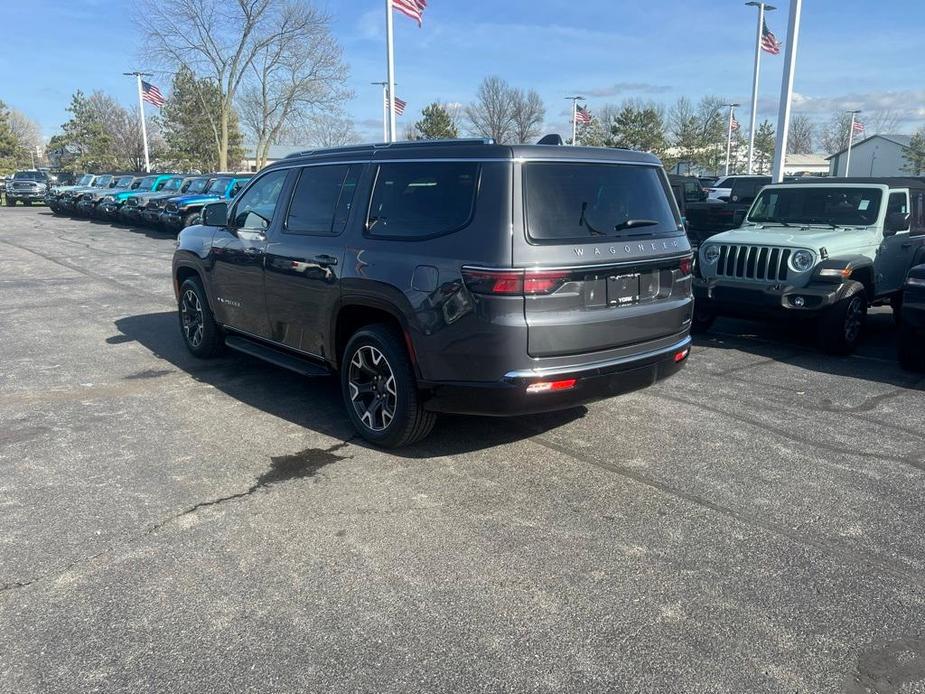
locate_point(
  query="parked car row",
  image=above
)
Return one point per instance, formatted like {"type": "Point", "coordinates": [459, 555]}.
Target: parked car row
{"type": "Point", "coordinates": [170, 201]}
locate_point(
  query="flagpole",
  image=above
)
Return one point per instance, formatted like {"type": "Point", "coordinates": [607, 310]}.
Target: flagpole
{"type": "Point", "coordinates": [850, 141]}
{"type": "Point", "coordinates": [390, 62]}
{"type": "Point", "coordinates": [385, 109]}
{"type": "Point", "coordinates": [732, 108]}
{"type": "Point", "coordinates": [141, 114]}
{"type": "Point", "coordinates": [574, 100]}
{"type": "Point", "coordinates": [757, 69]}
{"type": "Point", "coordinates": [786, 91]}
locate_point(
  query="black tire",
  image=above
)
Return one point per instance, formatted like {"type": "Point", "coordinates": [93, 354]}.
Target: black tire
{"type": "Point", "coordinates": [896, 303]}
{"type": "Point", "coordinates": [911, 348]}
{"type": "Point", "coordinates": [191, 219]}
{"type": "Point", "coordinates": [27, 203]}
{"type": "Point", "coordinates": [702, 319]}
{"type": "Point", "coordinates": [368, 395]}
{"type": "Point", "coordinates": [842, 325]}
{"type": "Point", "coordinates": [201, 334]}
{"type": "Point", "coordinates": [10, 203]}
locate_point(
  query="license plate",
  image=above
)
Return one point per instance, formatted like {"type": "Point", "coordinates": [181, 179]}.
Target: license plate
{"type": "Point", "coordinates": [623, 289]}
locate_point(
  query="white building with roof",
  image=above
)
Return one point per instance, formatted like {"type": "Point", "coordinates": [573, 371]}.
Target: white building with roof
{"type": "Point", "coordinates": [877, 155]}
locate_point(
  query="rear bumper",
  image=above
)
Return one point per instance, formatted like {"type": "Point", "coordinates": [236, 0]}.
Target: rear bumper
{"type": "Point", "coordinates": [593, 381]}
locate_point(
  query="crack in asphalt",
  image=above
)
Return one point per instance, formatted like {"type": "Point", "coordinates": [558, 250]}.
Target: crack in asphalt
{"type": "Point", "coordinates": [305, 463]}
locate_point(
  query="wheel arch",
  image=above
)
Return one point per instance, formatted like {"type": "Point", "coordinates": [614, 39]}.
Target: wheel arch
{"type": "Point", "coordinates": [356, 313]}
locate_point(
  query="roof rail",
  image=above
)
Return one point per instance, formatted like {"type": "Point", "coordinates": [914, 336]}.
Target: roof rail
{"type": "Point", "coordinates": [410, 144]}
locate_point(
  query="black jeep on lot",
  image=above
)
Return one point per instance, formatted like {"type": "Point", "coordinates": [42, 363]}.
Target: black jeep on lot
{"type": "Point", "coordinates": [912, 320]}
{"type": "Point", "coordinates": [453, 276]}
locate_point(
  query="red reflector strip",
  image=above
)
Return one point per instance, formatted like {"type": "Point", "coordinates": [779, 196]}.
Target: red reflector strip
{"type": "Point", "coordinates": [547, 386]}
{"type": "Point", "coordinates": [685, 266]}
{"type": "Point", "coordinates": [682, 355]}
{"type": "Point", "coordinates": [543, 282]}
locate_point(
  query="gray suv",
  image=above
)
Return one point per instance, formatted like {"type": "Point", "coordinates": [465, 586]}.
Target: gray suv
{"type": "Point", "coordinates": [450, 276]}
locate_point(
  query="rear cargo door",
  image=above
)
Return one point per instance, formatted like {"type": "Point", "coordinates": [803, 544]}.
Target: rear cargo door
{"type": "Point", "coordinates": [606, 243]}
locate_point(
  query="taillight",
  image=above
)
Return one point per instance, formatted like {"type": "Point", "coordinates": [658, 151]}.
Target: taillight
{"type": "Point", "coordinates": [685, 266]}
{"type": "Point", "coordinates": [551, 386]}
{"type": "Point", "coordinates": [513, 282]}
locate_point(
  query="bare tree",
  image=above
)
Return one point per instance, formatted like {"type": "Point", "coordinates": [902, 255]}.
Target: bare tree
{"type": "Point", "coordinates": [884, 121]}
{"type": "Point", "coordinates": [330, 129]}
{"type": "Point", "coordinates": [219, 40]}
{"type": "Point", "coordinates": [292, 79]}
{"type": "Point", "coordinates": [27, 134]}
{"type": "Point", "coordinates": [528, 113]}
{"type": "Point", "coordinates": [833, 136]}
{"type": "Point", "coordinates": [492, 113]}
{"type": "Point", "coordinates": [802, 135]}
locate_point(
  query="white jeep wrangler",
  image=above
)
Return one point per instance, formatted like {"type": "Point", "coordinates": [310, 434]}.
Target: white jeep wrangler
{"type": "Point", "coordinates": [825, 250]}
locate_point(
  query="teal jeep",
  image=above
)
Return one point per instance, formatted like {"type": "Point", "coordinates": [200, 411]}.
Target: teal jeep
{"type": "Point", "coordinates": [820, 250]}
{"type": "Point", "coordinates": [111, 204]}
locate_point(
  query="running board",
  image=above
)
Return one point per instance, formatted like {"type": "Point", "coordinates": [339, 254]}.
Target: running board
{"type": "Point", "coordinates": [275, 356]}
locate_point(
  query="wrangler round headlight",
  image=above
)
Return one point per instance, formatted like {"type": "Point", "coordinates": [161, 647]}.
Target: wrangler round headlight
{"type": "Point", "coordinates": [801, 261]}
{"type": "Point", "coordinates": [711, 254]}
{"type": "Point", "coordinates": [108, 198]}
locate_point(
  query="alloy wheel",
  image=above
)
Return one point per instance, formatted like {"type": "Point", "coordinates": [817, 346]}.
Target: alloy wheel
{"type": "Point", "coordinates": [372, 388]}
{"type": "Point", "coordinates": [191, 314]}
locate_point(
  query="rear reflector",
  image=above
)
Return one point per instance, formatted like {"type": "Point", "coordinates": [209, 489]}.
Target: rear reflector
{"type": "Point", "coordinates": [513, 282]}
{"type": "Point", "coordinates": [685, 266]}
{"type": "Point", "coordinates": [682, 355]}
{"type": "Point", "coordinates": [547, 386]}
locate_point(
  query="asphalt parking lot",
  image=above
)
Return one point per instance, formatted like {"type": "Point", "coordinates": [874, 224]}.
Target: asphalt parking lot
{"type": "Point", "coordinates": [754, 524]}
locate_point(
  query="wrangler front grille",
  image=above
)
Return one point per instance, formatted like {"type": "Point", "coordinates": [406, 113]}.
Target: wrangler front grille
{"type": "Point", "coordinates": [753, 262]}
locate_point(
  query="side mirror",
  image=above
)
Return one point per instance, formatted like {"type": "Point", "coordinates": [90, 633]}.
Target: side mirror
{"type": "Point", "coordinates": [215, 214]}
{"type": "Point", "coordinates": [895, 221]}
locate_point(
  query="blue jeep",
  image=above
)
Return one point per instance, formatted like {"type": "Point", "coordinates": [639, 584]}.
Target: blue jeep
{"type": "Point", "coordinates": [184, 210]}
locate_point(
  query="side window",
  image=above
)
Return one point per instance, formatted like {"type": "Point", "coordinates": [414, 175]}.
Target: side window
{"type": "Point", "coordinates": [236, 188]}
{"type": "Point", "coordinates": [691, 192]}
{"type": "Point", "coordinates": [898, 203]}
{"type": "Point", "coordinates": [321, 199]}
{"type": "Point", "coordinates": [918, 213]}
{"type": "Point", "coordinates": [421, 199]}
{"type": "Point", "coordinates": [256, 207]}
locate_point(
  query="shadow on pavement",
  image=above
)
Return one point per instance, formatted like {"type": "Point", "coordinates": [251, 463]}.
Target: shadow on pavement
{"type": "Point", "coordinates": [795, 343]}
{"type": "Point", "coordinates": [316, 403]}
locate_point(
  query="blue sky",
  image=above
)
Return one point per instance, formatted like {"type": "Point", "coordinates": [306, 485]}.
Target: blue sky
{"type": "Point", "coordinates": [853, 53]}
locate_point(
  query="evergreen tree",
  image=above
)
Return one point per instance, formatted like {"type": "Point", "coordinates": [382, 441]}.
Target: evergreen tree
{"type": "Point", "coordinates": [436, 124]}
{"type": "Point", "coordinates": [764, 147]}
{"type": "Point", "coordinates": [188, 123]}
{"type": "Point", "coordinates": [85, 143]}
{"type": "Point", "coordinates": [640, 127]}
{"type": "Point", "coordinates": [8, 144]}
{"type": "Point", "coordinates": [915, 154]}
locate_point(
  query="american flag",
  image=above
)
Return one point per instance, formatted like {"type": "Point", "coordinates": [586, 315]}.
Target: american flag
{"type": "Point", "coordinates": [399, 105]}
{"type": "Point", "coordinates": [581, 115]}
{"type": "Point", "coordinates": [769, 42]}
{"type": "Point", "coordinates": [858, 127]}
{"type": "Point", "coordinates": [735, 125]}
{"type": "Point", "coordinates": [152, 94]}
{"type": "Point", "coordinates": [411, 8]}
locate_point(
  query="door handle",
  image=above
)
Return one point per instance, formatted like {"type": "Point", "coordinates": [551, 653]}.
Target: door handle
{"type": "Point", "coordinates": [325, 260]}
{"type": "Point", "coordinates": [905, 245]}
{"type": "Point", "coordinates": [250, 250]}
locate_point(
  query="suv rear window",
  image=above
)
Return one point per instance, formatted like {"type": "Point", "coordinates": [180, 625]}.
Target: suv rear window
{"type": "Point", "coordinates": [422, 199]}
{"type": "Point", "coordinates": [566, 201]}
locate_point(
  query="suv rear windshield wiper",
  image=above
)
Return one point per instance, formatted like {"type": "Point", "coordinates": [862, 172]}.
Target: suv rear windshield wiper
{"type": "Point", "coordinates": [633, 223]}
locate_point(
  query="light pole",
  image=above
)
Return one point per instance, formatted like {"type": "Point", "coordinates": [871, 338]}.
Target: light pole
{"type": "Point", "coordinates": [732, 108]}
{"type": "Point", "coordinates": [385, 109]}
{"type": "Point", "coordinates": [786, 91]}
{"type": "Point", "coordinates": [762, 8]}
{"type": "Point", "coordinates": [575, 100]}
{"type": "Point", "coordinates": [141, 114]}
{"type": "Point", "coordinates": [850, 140]}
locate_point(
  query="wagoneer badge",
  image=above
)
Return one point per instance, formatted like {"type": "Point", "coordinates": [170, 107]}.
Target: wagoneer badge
{"type": "Point", "coordinates": [630, 248]}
